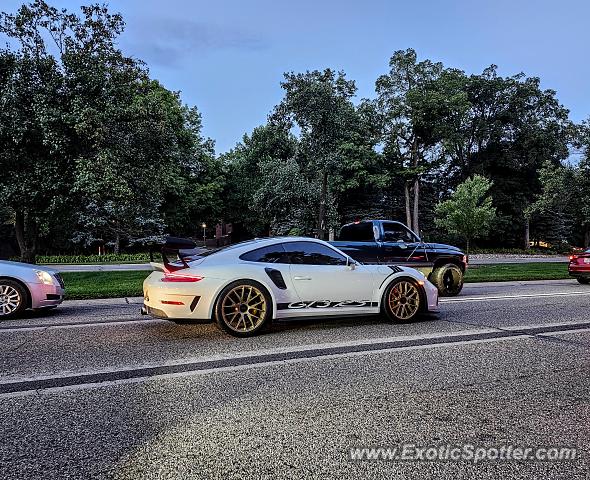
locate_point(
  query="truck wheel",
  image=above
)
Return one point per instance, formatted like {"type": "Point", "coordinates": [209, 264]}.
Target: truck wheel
{"type": "Point", "coordinates": [448, 279]}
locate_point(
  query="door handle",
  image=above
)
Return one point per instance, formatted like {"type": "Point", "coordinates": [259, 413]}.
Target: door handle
{"type": "Point", "coordinates": [302, 278]}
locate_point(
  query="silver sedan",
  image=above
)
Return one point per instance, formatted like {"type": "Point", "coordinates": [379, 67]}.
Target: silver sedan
{"type": "Point", "coordinates": [25, 286]}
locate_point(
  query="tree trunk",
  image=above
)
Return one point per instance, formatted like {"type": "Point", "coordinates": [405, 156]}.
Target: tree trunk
{"type": "Point", "coordinates": [408, 212]}
{"type": "Point", "coordinates": [322, 211]}
{"type": "Point", "coordinates": [415, 157]}
{"type": "Point", "coordinates": [467, 242]}
{"type": "Point", "coordinates": [527, 233]}
{"type": "Point", "coordinates": [415, 223]}
{"type": "Point", "coordinates": [587, 236]}
{"type": "Point", "coordinates": [117, 243]}
{"type": "Point", "coordinates": [26, 235]}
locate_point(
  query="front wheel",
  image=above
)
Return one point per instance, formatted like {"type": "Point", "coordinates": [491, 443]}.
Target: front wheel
{"type": "Point", "coordinates": [584, 280]}
{"type": "Point", "coordinates": [448, 279]}
{"type": "Point", "coordinates": [243, 308]}
{"type": "Point", "coordinates": [402, 301]}
{"type": "Point", "coordinates": [13, 299]}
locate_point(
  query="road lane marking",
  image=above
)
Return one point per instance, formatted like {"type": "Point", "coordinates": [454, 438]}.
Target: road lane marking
{"type": "Point", "coordinates": [270, 363]}
{"type": "Point", "coordinates": [508, 297]}
{"type": "Point", "coordinates": [98, 378]}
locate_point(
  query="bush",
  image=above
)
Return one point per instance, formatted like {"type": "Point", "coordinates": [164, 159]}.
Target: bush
{"type": "Point", "coordinates": [83, 259]}
{"type": "Point", "coordinates": [514, 251]}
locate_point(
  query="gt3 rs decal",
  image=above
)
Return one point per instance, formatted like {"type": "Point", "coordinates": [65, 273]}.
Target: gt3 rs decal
{"type": "Point", "coordinates": [325, 304]}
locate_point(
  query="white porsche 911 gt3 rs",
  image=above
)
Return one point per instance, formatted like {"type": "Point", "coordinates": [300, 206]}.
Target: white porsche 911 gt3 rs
{"type": "Point", "coordinates": [244, 286]}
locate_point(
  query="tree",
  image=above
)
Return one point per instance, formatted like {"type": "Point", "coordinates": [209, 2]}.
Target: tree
{"type": "Point", "coordinates": [409, 139]}
{"type": "Point", "coordinates": [554, 203]}
{"type": "Point", "coordinates": [251, 169]}
{"type": "Point", "coordinates": [34, 151]}
{"type": "Point", "coordinates": [319, 104]}
{"type": "Point", "coordinates": [468, 213]}
{"type": "Point", "coordinates": [84, 125]}
{"type": "Point", "coordinates": [37, 134]}
{"type": "Point", "coordinates": [506, 130]}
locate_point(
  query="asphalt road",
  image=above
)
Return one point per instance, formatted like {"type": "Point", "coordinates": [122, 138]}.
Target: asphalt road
{"type": "Point", "coordinates": [94, 390]}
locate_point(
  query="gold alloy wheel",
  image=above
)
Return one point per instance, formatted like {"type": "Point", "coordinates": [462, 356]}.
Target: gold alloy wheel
{"type": "Point", "coordinates": [404, 300]}
{"type": "Point", "coordinates": [244, 308]}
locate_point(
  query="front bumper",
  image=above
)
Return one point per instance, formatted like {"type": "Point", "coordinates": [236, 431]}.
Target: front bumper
{"type": "Point", "coordinates": [45, 295]}
{"type": "Point", "coordinates": [431, 296]}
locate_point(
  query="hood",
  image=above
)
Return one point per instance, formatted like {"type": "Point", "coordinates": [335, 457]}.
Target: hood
{"type": "Point", "coordinates": [442, 246]}
{"type": "Point", "coordinates": [26, 266]}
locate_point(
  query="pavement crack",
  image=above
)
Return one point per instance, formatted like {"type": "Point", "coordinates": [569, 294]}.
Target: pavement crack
{"type": "Point", "coordinates": [25, 341]}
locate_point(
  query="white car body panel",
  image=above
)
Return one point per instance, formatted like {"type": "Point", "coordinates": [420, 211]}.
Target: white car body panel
{"type": "Point", "coordinates": [311, 290]}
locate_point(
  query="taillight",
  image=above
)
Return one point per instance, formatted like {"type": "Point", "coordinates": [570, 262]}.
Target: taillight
{"type": "Point", "coordinates": [573, 257]}
{"type": "Point", "coordinates": [178, 277]}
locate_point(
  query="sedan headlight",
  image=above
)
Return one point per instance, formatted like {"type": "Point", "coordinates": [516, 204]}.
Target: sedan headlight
{"type": "Point", "coordinates": [44, 277]}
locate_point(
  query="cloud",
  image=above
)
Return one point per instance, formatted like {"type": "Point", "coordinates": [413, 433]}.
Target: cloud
{"type": "Point", "coordinates": [167, 41]}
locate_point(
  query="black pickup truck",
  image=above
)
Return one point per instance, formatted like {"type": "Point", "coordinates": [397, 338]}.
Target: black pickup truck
{"type": "Point", "coordinates": [392, 243]}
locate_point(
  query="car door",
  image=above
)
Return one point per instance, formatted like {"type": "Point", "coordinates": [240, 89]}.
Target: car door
{"type": "Point", "coordinates": [273, 266]}
{"type": "Point", "coordinates": [325, 280]}
{"type": "Point", "coordinates": [401, 246]}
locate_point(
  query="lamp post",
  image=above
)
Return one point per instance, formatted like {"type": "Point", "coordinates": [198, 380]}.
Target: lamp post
{"type": "Point", "coordinates": [204, 234]}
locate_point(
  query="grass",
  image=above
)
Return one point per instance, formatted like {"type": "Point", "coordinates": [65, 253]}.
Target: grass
{"type": "Point", "coordinates": [517, 272]}
{"type": "Point", "coordinates": [86, 285]}
{"type": "Point", "coordinates": [83, 285]}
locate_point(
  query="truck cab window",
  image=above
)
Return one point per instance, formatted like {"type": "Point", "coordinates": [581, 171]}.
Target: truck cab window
{"type": "Point", "coordinates": [396, 232]}
{"type": "Point", "coordinates": [357, 232]}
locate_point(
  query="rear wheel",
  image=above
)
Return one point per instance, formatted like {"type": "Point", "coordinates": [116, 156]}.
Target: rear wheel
{"type": "Point", "coordinates": [13, 299]}
{"type": "Point", "coordinates": [402, 300]}
{"type": "Point", "coordinates": [243, 308]}
{"type": "Point", "coordinates": [584, 280]}
{"type": "Point", "coordinates": [448, 279]}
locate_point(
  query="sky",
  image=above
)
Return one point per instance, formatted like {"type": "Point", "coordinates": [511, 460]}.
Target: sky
{"type": "Point", "coordinates": [227, 57]}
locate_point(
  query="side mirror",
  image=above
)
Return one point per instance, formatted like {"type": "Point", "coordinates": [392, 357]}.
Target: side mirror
{"type": "Point", "coordinates": [350, 263]}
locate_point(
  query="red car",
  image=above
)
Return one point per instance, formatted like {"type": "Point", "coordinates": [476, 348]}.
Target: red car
{"type": "Point", "coordinates": [579, 266]}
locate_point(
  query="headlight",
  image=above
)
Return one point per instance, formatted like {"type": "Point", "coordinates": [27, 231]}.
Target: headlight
{"type": "Point", "coordinates": [44, 277]}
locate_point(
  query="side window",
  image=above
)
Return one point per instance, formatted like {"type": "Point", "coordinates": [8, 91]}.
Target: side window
{"type": "Point", "coordinates": [270, 254]}
{"type": "Point", "coordinates": [396, 232]}
{"type": "Point", "coordinates": [311, 253]}
{"type": "Point", "coordinates": [358, 232]}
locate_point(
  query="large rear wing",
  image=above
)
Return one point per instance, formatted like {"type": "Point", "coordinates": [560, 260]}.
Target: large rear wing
{"type": "Point", "coordinates": [181, 248]}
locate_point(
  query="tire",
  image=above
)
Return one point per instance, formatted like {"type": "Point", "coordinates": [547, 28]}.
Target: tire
{"type": "Point", "coordinates": [448, 279]}
{"type": "Point", "coordinates": [13, 299]}
{"type": "Point", "coordinates": [402, 300]}
{"type": "Point", "coordinates": [243, 308]}
{"type": "Point", "coordinates": [583, 280]}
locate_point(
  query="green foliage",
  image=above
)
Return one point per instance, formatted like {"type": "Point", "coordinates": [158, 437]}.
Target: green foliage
{"type": "Point", "coordinates": [514, 251]}
{"type": "Point", "coordinates": [99, 153]}
{"type": "Point", "coordinates": [319, 104]}
{"type": "Point", "coordinates": [90, 141]}
{"type": "Point", "coordinates": [468, 213]}
{"type": "Point", "coordinates": [517, 272]}
{"type": "Point", "coordinates": [92, 259]}
{"type": "Point", "coordinates": [88, 285]}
